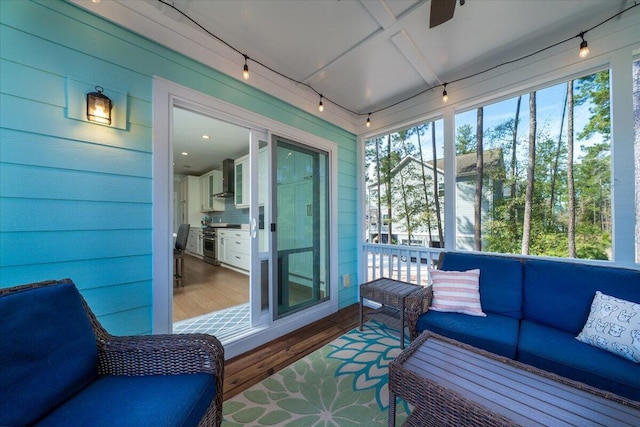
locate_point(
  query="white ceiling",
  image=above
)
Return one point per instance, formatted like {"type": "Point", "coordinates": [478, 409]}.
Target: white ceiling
{"type": "Point", "coordinates": [226, 141]}
{"type": "Point", "coordinates": [363, 54]}
{"type": "Point", "coordinates": [368, 54]}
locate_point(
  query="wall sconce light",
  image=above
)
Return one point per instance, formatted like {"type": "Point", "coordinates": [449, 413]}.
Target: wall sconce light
{"type": "Point", "coordinates": [99, 107]}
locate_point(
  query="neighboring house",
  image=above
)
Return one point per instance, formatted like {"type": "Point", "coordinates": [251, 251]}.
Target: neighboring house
{"type": "Point", "coordinates": [410, 214]}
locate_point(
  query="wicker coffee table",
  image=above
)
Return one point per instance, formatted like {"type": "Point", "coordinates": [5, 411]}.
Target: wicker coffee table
{"type": "Point", "coordinates": [391, 294]}
{"type": "Point", "coordinates": [454, 384]}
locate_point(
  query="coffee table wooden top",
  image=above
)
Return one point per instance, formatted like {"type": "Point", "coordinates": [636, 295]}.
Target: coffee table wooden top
{"type": "Point", "coordinates": [503, 388]}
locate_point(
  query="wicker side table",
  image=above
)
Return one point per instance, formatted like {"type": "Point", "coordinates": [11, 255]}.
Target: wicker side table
{"type": "Point", "coordinates": [454, 384]}
{"type": "Point", "coordinates": [391, 294]}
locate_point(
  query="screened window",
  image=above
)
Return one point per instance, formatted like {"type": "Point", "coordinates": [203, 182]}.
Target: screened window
{"type": "Point", "coordinates": [405, 187]}
{"type": "Point", "coordinates": [533, 173]}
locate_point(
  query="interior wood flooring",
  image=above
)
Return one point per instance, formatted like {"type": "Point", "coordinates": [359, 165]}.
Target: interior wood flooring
{"type": "Point", "coordinates": [245, 370]}
{"type": "Point", "coordinates": [206, 288]}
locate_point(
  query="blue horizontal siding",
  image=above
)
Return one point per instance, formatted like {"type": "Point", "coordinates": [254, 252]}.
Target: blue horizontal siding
{"type": "Point", "coordinates": [69, 215]}
{"type": "Point", "coordinates": [87, 274]}
{"type": "Point", "coordinates": [76, 198]}
{"type": "Point", "coordinates": [62, 184]}
{"type": "Point", "coordinates": [30, 149]}
{"type": "Point", "coordinates": [26, 248]}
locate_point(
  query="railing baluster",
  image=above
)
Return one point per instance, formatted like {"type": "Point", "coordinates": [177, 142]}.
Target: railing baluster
{"type": "Point", "coordinates": [381, 263]}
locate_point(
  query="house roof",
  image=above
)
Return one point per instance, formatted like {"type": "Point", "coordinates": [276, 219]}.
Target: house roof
{"type": "Point", "coordinates": [465, 163]}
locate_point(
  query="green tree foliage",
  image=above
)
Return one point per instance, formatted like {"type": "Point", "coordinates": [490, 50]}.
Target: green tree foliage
{"type": "Point", "coordinates": [409, 191]}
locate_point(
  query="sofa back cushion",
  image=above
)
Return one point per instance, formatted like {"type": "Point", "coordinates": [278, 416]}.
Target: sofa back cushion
{"type": "Point", "coordinates": [48, 350]}
{"type": "Point", "coordinates": [559, 294]}
{"type": "Point", "coordinates": [500, 280]}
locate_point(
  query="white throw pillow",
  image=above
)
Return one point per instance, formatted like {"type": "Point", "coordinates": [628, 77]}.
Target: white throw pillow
{"type": "Point", "coordinates": [456, 291]}
{"type": "Point", "coordinates": [613, 325]}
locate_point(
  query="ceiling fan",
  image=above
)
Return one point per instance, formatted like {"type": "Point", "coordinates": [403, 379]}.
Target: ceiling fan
{"type": "Point", "coordinates": [442, 11]}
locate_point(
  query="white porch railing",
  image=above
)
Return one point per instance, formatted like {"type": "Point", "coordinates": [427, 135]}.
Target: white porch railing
{"type": "Point", "coordinates": [407, 263]}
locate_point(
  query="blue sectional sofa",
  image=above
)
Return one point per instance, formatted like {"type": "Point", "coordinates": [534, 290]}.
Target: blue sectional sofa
{"type": "Point", "coordinates": [534, 309]}
{"type": "Point", "coordinates": [59, 367]}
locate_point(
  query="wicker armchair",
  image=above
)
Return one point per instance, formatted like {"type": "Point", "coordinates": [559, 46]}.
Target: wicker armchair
{"type": "Point", "coordinates": [160, 355]}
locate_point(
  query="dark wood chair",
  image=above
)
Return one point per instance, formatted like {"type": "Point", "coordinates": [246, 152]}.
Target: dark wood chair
{"type": "Point", "coordinates": [178, 253]}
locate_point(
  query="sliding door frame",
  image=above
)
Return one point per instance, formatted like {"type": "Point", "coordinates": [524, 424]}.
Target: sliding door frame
{"type": "Point", "coordinates": [167, 94]}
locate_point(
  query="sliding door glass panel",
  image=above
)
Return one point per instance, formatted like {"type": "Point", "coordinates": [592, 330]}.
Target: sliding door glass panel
{"type": "Point", "coordinates": [302, 227]}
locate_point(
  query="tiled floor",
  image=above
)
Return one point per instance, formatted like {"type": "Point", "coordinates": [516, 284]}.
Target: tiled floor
{"type": "Point", "coordinates": [222, 324]}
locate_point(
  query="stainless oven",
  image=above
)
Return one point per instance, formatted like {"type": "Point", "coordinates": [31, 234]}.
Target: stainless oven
{"type": "Point", "coordinates": [210, 246]}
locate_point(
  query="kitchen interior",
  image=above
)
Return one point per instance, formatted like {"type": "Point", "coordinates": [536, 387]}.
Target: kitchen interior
{"type": "Point", "coordinates": [211, 193]}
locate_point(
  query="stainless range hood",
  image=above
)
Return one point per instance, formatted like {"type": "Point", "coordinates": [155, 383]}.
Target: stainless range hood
{"type": "Point", "coordinates": [228, 181]}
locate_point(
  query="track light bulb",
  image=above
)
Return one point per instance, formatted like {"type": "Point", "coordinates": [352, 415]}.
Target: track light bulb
{"type": "Point", "coordinates": [320, 106]}
{"type": "Point", "coordinates": [369, 121]}
{"type": "Point", "coordinates": [245, 72]}
{"type": "Point", "coordinates": [445, 97]}
{"type": "Point", "coordinates": [584, 47]}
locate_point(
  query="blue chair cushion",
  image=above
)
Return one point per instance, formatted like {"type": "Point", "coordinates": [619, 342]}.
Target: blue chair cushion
{"type": "Point", "coordinates": [501, 279]}
{"type": "Point", "coordinates": [559, 352]}
{"type": "Point", "coordinates": [559, 294]}
{"type": "Point", "coordinates": [48, 351]}
{"type": "Point", "coordinates": [495, 333]}
{"type": "Point", "coordinates": [155, 400]}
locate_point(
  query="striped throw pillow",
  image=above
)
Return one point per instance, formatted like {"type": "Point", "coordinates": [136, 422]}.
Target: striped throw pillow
{"type": "Point", "coordinates": [457, 292]}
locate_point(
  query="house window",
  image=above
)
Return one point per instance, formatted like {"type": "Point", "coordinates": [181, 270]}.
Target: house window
{"type": "Point", "coordinates": [404, 172]}
{"type": "Point", "coordinates": [549, 151]}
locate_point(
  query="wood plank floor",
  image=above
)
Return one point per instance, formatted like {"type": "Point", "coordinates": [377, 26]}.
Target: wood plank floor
{"type": "Point", "coordinates": [245, 370]}
{"type": "Point", "coordinates": [206, 288]}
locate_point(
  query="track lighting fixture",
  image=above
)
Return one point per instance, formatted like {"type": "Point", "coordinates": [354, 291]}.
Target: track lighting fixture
{"type": "Point", "coordinates": [320, 106]}
{"type": "Point", "coordinates": [445, 97]}
{"type": "Point", "coordinates": [584, 47]}
{"type": "Point", "coordinates": [245, 72]}
{"type": "Point", "coordinates": [369, 120]}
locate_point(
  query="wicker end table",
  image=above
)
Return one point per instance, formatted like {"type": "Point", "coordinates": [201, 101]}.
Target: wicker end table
{"type": "Point", "coordinates": [391, 294]}
{"type": "Point", "coordinates": [454, 384]}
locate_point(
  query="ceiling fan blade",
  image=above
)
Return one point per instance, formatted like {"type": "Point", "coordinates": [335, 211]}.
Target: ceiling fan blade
{"type": "Point", "coordinates": [441, 11]}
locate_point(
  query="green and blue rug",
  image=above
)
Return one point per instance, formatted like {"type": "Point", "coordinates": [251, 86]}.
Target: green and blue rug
{"type": "Point", "coordinates": [345, 383]}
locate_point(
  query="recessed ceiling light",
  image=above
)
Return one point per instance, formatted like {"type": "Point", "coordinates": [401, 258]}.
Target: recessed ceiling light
{"type": "Point", "coordinates": [184, 153]}
{"type": "Point", "coordinates": [205, 137]}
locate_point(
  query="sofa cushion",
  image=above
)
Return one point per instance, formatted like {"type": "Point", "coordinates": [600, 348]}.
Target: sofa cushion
{"type": "Point", "coordinates": [500, 280]}
{"type": "Point", "coordinates": [156, 400]}
{"type": "Point", "coordinates": [559, 294]}
{"type": "Point", "coordinates": [456, 292]}
{"type": "Point", "coordinates": [495, 333]}
{"type": "Point", "coordinates": [613, 325]}
{"type": "Point", "coordinates": [559, 352]}
{"type": "Point", "coordinates": [48, 351]}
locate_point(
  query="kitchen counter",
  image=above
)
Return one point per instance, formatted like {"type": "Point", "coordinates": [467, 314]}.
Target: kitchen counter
{"type": "Point", "coordinates": [224, 225]}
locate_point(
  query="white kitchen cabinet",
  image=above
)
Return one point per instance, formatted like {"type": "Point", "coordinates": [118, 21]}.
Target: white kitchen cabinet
{"type": "Point", "coordinates": [211, 184]}
{"type": "Point", "coordinates": [190, 196]}
{"type": "Point", "coordinates": [242, 180]}
{"type": "Point", "coordinates": [221, 242]}
{"type": "Point", "coordinates": [239, 247]}
{"type": "Point", "coordinates": [234, 248]}
{"type": "Point", "coordinates": [194, 242]}
{"type": "Point", "coordinates": [263, 175]}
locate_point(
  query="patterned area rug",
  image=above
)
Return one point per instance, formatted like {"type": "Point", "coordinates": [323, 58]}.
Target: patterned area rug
{"type": "Point", "coordinates": [342, 384]}
{"type": "Point", "coordinates": [223, 324]}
